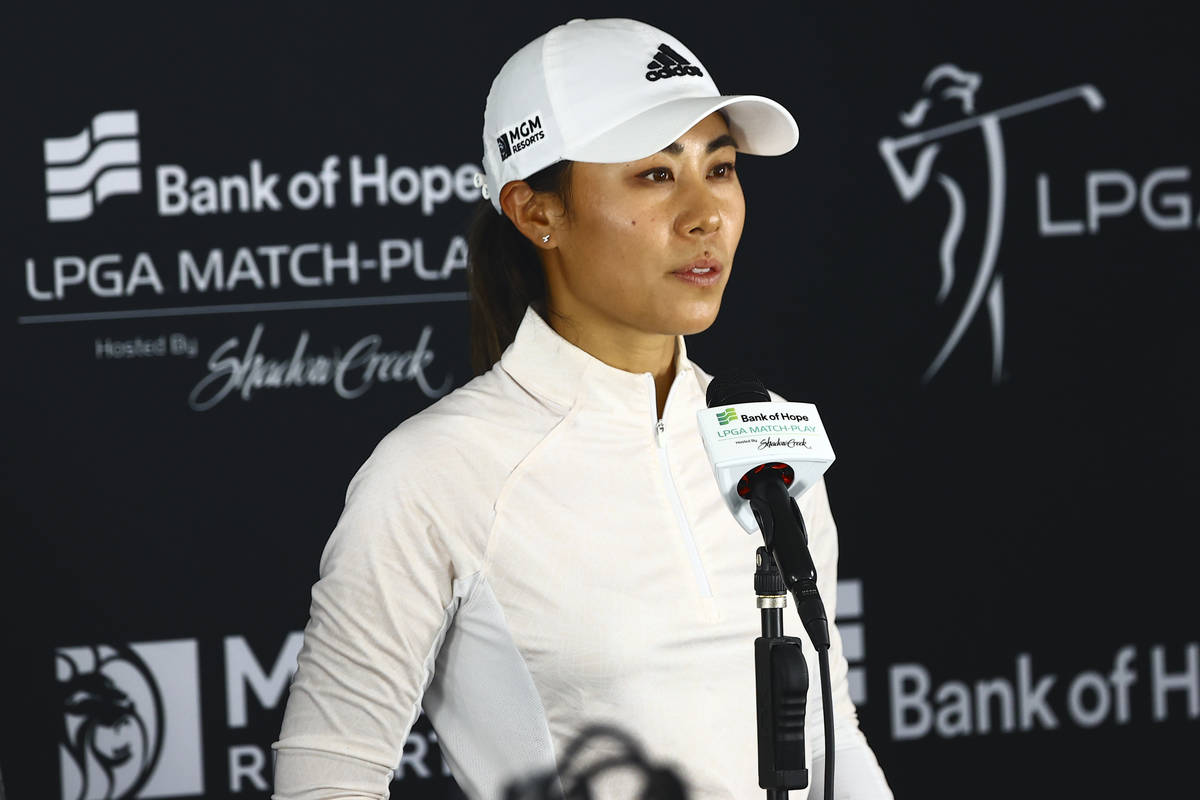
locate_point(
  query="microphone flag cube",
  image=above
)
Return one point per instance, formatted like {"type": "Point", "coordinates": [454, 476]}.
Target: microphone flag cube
{"type": "Point", "coordinates": [741, 437]}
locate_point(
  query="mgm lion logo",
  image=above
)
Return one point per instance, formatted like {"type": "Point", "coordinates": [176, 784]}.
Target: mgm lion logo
{"type": "Point", "coordinates": [120, 707]}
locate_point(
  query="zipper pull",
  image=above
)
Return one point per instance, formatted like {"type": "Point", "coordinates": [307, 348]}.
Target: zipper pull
{"type": "Point", "coordinates": [659, 429]}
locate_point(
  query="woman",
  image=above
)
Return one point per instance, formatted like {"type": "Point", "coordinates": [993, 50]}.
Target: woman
{"type": "Point", "coordinates": [546, 546]}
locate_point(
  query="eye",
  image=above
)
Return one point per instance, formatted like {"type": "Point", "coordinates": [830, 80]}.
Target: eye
{"type": "Point", "coordinates": [657, 175]}
{"type": "Point", "coordinates": [723, 170]}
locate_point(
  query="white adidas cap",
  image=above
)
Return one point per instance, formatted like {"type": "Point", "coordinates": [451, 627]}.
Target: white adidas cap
{"type": "Point", "coordinates": [610, 91]}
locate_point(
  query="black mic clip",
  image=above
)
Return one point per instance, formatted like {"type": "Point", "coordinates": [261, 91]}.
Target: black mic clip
{"type": "Point", "coordinates": [785, 536]}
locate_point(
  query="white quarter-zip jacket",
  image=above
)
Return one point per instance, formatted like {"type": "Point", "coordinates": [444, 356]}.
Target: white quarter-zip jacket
{"type": "Point", "coordinates": [535, 552]}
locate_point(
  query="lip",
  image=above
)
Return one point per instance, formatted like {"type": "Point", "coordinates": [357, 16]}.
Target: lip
{"type": "Point", "coordinates": [709, 278]}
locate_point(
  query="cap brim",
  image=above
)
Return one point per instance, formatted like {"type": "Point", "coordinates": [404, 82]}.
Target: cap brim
{"type": "Point", "coordinates": [761, 127]}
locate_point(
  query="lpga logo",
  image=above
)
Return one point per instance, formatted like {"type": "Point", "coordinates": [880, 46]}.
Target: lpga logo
{"type": "Point", "coordinates": [947, 85]}
{"type": "Point", "coordinates": [85, 169]}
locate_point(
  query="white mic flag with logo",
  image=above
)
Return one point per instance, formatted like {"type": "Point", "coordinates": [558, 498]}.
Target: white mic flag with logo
{"type": "Point", "coordinates": [743, 436]}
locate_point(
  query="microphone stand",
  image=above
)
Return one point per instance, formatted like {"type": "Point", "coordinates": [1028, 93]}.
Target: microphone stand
{"type": "Point", "coordinates": [786, 539]}
{"type": "Point", "coordinates": [781, 681]}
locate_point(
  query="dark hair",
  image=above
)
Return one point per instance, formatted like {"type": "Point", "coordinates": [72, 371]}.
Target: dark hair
{"type": "Point", "coordinates": [504, 272]}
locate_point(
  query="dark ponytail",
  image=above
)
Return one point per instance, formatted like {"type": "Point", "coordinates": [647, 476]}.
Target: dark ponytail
{"type": "Point", "coordinates": [504, 272]}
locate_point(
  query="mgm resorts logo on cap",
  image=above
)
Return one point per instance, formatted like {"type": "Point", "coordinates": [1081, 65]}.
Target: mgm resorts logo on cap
{"type": "Point", "coordinates": [515, 138]}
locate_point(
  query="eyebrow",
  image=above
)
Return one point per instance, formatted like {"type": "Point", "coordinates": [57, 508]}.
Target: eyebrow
{"type": "Point", "coordinates": [724, 140]}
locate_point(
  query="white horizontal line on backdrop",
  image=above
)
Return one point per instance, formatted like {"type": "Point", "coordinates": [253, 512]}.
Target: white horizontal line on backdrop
{"type": "Point", "coordinates": [239, 308]}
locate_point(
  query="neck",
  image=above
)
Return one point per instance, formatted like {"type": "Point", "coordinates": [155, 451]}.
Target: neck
{"type": "Point", "coordinates": [625, 349]}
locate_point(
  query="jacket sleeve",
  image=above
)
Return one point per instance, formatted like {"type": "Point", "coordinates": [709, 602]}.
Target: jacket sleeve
{"type": "Point", "coordinates": [379, 612]}
{"type": "Point", "coordinates": [857, 775]}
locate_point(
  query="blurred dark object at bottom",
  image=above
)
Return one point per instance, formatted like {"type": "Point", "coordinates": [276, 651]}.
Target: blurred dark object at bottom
{"type": "Point", "coordinates": [574, 780]}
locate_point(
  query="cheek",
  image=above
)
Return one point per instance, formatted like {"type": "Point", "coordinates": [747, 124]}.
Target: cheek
{"type": "Point", "coordinates": [622, 256]}
{"type": "Point", "coordinates": [737, 214]}
{"type": "Point", "coordinates": [736, 232]}
{"type": "Point", "coordinates": [623, 238]}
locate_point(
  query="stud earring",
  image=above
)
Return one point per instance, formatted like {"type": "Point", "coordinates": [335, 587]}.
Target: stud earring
{"type": "Point", "coordinates": [546, 238]}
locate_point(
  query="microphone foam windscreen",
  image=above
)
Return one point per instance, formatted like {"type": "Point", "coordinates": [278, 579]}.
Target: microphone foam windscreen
{"type": "Point", "coordinates": [736, 386]}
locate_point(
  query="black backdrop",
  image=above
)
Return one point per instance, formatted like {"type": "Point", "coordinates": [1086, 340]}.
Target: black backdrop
{"type": "Point", "coordinates": [1020, 542]}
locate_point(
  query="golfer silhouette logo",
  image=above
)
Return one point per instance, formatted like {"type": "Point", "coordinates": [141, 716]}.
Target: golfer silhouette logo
{"type": "Point", "coordinates": [948, 88]}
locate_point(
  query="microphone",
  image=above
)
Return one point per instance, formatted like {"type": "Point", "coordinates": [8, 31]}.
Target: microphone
{"type": "Point", "coordinates": [764, 455]}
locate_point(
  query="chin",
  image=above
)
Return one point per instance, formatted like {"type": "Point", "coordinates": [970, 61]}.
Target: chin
{"type": "Point", "coordinates": [695, 320]}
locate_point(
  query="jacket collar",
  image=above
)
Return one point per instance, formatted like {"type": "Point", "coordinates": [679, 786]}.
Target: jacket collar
{"type": "Point", "coordinates": [549, 366]}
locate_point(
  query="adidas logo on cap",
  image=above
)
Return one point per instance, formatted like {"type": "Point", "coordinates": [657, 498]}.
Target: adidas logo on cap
{"type": "Point", "coordinates": [667, 64]}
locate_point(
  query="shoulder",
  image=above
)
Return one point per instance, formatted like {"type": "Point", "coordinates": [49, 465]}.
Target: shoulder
{"type": "Point", "coordinates": [470, 438]}
{"type": "Point", "coordinates": [432, 482]}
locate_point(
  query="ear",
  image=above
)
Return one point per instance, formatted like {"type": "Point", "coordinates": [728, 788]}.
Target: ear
{"type": "Point", "coordinates": [534, 214]}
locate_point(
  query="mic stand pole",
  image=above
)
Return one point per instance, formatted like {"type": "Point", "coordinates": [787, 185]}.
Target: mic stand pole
{"type": "Point", "coordinates": [781, 686]}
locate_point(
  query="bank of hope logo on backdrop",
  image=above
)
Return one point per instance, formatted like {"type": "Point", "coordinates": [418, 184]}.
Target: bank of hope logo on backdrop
{"type": "Point", "coordinates": [100, 161]}
{"type": "Point", "coordinates": [87, 173]}
{"type": "Point", "coordinates": [1108, 193]}
{"type": "Point", "coordinates": [1155, 683]}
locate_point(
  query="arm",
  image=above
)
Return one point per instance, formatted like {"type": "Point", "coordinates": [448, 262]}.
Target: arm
{"type": "Point", "coordinates": [857, 775]}
{"type": "Point", "coordinates": [909, 184]}
{"type": "Point", "coordinates": [379, 612]}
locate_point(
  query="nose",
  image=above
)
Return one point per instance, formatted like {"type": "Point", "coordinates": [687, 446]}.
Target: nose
{"type": "Point", "coordinates": [700, 209]}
